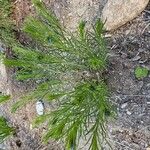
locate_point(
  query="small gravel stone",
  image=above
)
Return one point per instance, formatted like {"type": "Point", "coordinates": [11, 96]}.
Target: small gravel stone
{"type": "Point", "coordinates": [128, 112]}
{"type": "Point", "coordinates": [136, 58]}
{"type": "Point", "coordinates": [39, 108]}
{"type": "Point", "coordinates": [124, 105]}
{"type": "Point", "coordinates": [123, 55]}
{"type": "Point", "coordinates": [141, 50]}
{"type": "Point", "coordinates": [140, 84]}
{"type": "Point", "coordinates": [148, 85]}
{"type": "Point", "coordinates": [142, 62]}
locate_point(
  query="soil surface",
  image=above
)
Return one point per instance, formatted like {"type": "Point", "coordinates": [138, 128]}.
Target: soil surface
{"type": "Point", "coordinates": [128, 46]}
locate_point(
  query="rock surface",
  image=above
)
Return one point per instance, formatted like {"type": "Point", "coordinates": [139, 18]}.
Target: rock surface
{"type": "Point", "coordinates": [117, 13]}
{"type": "Point", "coordinates": [3, 79]}
{"type": "Point", "coordinates": [71, 12]}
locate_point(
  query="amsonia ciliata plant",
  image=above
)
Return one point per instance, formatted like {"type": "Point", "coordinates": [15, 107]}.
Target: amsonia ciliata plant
{"type": "Point", "coordinates": [68, 70]}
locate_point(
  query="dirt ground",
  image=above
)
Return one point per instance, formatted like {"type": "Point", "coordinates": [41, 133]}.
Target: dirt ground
{"type": "Point", "coordinates": [128, 46]}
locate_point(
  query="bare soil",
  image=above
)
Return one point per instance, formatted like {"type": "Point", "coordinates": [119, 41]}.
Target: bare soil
{"type": "Point", "coordinates": [129, 48]}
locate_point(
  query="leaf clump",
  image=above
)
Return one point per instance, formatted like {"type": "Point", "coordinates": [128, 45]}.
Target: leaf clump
{"type": "Point", "coordinates": [141, 72]}
{"type": "Point", "coordinates": [67, 70]}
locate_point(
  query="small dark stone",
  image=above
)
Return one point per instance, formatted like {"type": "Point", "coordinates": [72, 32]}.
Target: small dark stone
{"type": "Point", "coordinates": [18, 143]}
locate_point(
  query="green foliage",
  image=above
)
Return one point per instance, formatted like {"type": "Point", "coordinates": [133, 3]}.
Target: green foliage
{"type": "Point", "coordinates": [82, 111]}
{"type": "Point", "coordinates": [141, 72]}
{"type": "Point", "coordinates": [67, 70]}
{"type": "Point", "coordinates": [4, 98]}
{"type": "Point", "coordinates": [6, 23]}
{"type": "Point", "coordinates": [5, 129]}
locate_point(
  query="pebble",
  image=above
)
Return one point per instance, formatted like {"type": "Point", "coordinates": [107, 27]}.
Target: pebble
{"type": "Point", "coordinates": [123, 55]}
{"type": "Point", "coordinates": [141, 50]}
{"type": "Point", "coordinates": [136, 58]}
{"type": "Point", "coordinates": [142, 62]}
{"type": "Point", "coordinates": [70, 14]}
{"type": "Point", "coordinates": [39, 108]}
{"type": "Point", "coordinates": [31, 126]}
{"type": "Point", "coordinates": [148, 85]}
{"type": "Point", "coordinates": [140, 84]}
{"type": "Point", "coordinates": [124, 105]}
{"type": "Point", "coordinates": [148, 103]}
{"type": "Point", "coordinates": [136, 146]}
{"type": "Point", "coordinates": [108, 35]}
{"type": "Point", "coordinates": [128, 112]}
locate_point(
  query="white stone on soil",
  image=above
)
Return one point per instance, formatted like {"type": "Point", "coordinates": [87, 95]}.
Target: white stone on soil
{"type": "Point", "coordinates": [128, 112]}
{"type": "Point", "coordinates": [39, 108]}
{"type": "Point", "coordinates": [124, 105]}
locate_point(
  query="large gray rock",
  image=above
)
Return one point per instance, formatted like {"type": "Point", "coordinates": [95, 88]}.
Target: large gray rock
{"type": "Point", "coordinates": [118, 12]}
{"type": "Point", "coordinates": [71, 12]}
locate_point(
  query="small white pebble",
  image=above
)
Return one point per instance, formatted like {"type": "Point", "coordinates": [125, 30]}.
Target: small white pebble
{"type": "Point", "coordinates": [31, 127]}
{"type": "Point", "coordinates": [70, 14]}
{"type": "Point", "coordinates": [107, 35]}
{"type": "Point", "coordinates": [128, 112]}
{"type": "Point", "coordinates": [124, 105]}
{"type": "Point", "coordinates": [39, 108]}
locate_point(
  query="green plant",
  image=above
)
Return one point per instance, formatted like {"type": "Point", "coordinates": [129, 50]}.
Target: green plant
{"type": "Point", "coordinates": [141, 72]}
{"type": "Point", "coordinates": [4, 98]}
{"type": "Point", "coordinates": [5, 129]}
{"type": "Point", "coordinates": [67, 70]}
{"type": "Point", "coordinates": [6, 23]}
